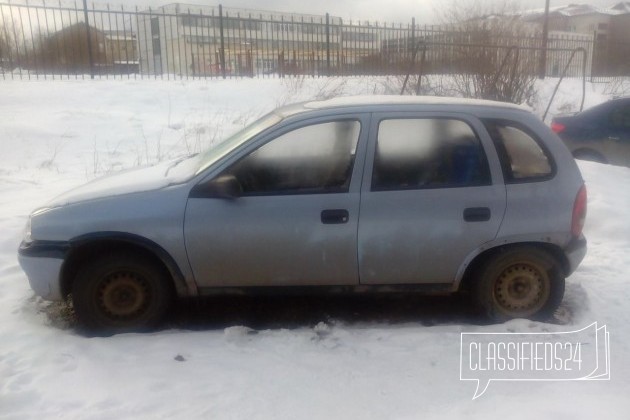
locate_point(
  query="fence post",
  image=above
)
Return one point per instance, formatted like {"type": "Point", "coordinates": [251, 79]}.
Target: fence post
{"type": "Point", "coordinates": [327, 44]}
{"type": "Point", "coordinates": [222, 52]}
{"type": "Point", "coordinates": [542, 65]}
{"type": "Point", "coordinates": [413, 34]}
{"type": "Point", "coordinates": [89, 40]}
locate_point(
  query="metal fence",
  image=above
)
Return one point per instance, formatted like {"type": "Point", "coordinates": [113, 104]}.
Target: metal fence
{"type": "Point", "coordinates": [76, 40]}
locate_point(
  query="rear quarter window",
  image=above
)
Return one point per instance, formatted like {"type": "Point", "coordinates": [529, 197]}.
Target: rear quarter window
{"type": "Point", "coordinates": [523, 156]}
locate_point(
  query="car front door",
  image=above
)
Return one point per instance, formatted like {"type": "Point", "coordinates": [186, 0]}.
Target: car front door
{"type": "Point", "coordinates": [618, 136]}
{"type": "Point", "coordinates": [293, 219]}
{"type": "Point", "coordinates": [430, 197]}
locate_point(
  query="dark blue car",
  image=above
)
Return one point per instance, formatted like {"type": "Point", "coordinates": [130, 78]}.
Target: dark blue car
{"type": "Point", "coordinates": [600, 133]}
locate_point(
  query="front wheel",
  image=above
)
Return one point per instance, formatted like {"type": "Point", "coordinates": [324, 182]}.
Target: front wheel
{"type": "Point", "coordinates": [120, 293]}
{"type": "Point", "coordinates": [523, 282]}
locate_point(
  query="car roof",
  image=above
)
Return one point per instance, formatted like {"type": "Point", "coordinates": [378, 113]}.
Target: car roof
{"type": "Point", "coordinates": [376, 100]}
{"type": "Point", "coordinates": [605, 106]}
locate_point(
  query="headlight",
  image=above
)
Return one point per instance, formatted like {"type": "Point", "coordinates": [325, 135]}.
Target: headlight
{"type": "Point", "coordinates": [27, 232]}
{"type": "Point", "coordinates": [27, 237]}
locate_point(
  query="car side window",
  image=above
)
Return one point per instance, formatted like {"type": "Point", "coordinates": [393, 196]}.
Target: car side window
{"type": "Point", "coordinates": [309, 160]}
{"type": "Point", "coordinates": [522, 156]}
{"type": "Point", "coordinates": [620, 117]}
{"type": "Point", "coordinates": [416, 153]}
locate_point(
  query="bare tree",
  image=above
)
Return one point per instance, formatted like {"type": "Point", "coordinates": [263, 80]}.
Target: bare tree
{"type": "Point", "coordinates": [6, 41]}
{"type": "Point", "coordinates": [485, 51]}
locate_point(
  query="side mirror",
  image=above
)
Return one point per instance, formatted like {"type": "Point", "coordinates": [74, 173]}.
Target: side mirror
{"type": "Point", "coordinates": [224, 186]}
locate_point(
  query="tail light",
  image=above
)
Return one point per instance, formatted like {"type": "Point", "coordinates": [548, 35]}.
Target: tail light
{"type": "Point", "coordinates": [556, 127]}
{"type": "Point", "coordinates": [579, 212]}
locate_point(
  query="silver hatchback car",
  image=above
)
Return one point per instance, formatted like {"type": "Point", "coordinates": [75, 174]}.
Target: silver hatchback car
{"type": "Point", "coordinates": [378, 193]}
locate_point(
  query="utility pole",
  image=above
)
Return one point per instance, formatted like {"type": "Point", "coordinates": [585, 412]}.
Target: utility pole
{"type": "Point", "coordinates": [542, 69]}
{"type": "Point", "coordinates": [327, 44]}
{"type": "Point", "coordinates": [222, 52]}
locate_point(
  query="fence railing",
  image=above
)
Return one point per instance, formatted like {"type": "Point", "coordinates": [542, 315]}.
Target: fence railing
{"type": "Point", "coordinates": [77, 40]}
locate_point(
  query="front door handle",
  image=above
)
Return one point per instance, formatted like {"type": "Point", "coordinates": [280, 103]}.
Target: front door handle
{"type": "Point", "coordinates": [335, 216]}
{"type": "Point", "coordinates": [477, 214]}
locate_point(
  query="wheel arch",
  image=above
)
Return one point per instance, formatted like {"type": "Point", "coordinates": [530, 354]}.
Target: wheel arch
{"type": "Point", "coordinates": [581, 152]}
{"type": "Point", "coordinates": [84, 247]}
{"type": "Point", "coordinates": [470, 268]}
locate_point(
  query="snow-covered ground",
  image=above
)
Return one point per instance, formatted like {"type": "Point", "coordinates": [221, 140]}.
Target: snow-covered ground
{"type": "Point", "coordinates": [58, 135]}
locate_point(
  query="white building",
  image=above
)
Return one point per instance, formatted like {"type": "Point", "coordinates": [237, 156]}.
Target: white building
{"type": "Point", "coordinates": [196, 40]}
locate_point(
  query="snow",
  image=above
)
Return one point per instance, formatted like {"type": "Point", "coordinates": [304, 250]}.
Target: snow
{"type": "Point", "coordinates": [575, 10]}
{"type": "Point", "coordinates": [55, 136]}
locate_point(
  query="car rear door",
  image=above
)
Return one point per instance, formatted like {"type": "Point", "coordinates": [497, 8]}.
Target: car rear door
{"type": "Point", "coordinates": [296, 221]}
{"type": "Point", "coordinates": [432, 194]}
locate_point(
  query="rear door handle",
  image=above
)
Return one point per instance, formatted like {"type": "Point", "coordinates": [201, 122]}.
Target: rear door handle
{"type": "Point", "coordinates": [477, 214]}
{"type": "Point", "coordinates": [335, 216]}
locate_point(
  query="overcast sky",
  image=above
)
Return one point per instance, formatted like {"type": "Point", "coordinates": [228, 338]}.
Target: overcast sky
{"type": "Point", "coordinates": [425, 11]}
{"type": "Point", "coordinates": [398, 11]}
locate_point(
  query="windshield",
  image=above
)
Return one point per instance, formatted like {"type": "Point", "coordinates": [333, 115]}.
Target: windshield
{"type": "Point", "coordinates": [212, 155]}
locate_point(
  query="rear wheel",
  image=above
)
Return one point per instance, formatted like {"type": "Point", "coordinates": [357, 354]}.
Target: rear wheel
{"type": "Point", "coordinates": [121, 293]}
{"type": "Point", "coordinates": [523, 282]}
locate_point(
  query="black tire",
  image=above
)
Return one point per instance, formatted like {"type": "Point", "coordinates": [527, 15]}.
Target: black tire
{"type": "Point", "coordinates": [121, 293]}
{"type": "Point", "coordinates": [523, 282]}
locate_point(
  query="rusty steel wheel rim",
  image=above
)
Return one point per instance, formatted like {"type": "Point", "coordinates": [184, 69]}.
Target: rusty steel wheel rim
{"type": "Point", "coordinates": [521, 289]}
{"type": "Point", "coordinates": [123, 295]}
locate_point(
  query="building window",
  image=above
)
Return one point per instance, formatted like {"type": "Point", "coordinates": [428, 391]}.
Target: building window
{"type": "Point", "coordinates": [157, 47]}
{"type": "Point", "coordinates": [155, 26]}
{"type": "Point", "coordinates": [251, 25]}
{"type": "Point", "coordinates": [359, 36]}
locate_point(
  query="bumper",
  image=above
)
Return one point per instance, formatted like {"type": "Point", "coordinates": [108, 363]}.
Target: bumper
{"type": "Point", "coordinates": [42, 261]}
{"type": "Point", "coordinates": [575, 252]}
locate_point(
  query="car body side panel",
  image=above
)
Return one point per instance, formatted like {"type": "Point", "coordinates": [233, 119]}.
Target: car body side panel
{"type": "Point", "coordinates": [155, 215]}
{"type": "Point", "coordinates": [272, 241]}
{"type": "Point", "coordinates": [574, 252]}
{"type": "Point", "coordinates": [532, 209]}
{"type": "Point", "coordinates": [420, 236]}
{"type": "Point", "coordinates": [614, 149]}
